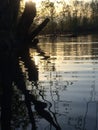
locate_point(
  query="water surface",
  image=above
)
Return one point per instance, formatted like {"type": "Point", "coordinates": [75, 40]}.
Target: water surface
{"type": "Point", "coordinates": [66, 79]}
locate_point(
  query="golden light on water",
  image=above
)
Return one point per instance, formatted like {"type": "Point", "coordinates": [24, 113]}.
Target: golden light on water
{"type": "Point", "coordinates": [37, 60]}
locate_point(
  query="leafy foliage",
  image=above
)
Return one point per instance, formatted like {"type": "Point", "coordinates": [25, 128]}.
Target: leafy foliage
{"type": "Point", "coordinates": [78, 16]}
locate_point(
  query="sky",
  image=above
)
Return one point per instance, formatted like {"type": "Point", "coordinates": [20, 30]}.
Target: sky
{"type": "Point", "coordinates": [67, 1]}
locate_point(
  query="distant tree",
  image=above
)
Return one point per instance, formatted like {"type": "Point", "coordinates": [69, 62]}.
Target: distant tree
{"type": "Point", "coordinates": [94, 15]}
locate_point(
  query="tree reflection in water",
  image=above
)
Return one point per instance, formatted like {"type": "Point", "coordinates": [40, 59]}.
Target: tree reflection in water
{"type": "Point", "coordinates": [11, 74]}
{"type": "Point", "coordinates": [13, 46]}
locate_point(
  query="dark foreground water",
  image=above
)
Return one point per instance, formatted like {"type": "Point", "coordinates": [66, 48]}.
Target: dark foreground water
{"type": "Point", "coordinates": [67, 80]}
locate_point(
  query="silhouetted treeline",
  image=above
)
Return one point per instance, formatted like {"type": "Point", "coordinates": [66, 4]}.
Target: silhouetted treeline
{"type": "Point", "coordinates": [76, 17]}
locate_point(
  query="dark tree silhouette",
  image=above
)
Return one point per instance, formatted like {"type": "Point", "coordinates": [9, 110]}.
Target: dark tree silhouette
{"type": "Point", "coordinates": [15, 39]}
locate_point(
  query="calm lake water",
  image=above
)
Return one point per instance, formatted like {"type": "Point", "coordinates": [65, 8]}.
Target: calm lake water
{"type": "Point", "coordinates": [66, 78]}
